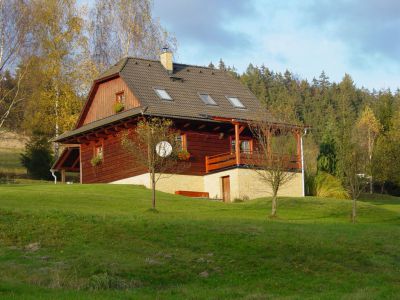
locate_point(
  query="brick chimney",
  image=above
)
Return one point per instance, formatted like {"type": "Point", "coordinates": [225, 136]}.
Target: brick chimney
{"type": "Point", "coordinates": [166, 59]}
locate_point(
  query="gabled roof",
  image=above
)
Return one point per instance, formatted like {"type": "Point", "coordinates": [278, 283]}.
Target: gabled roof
{"type": "Point", "coordinates": [184, 85]}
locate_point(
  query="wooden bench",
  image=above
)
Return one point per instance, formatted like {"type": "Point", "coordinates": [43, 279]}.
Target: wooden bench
{"type": "Point", "coordinates": [193, 194]}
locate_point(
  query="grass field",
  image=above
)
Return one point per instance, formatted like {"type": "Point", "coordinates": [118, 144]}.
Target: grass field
{"type": "Point", "coordinates": [103, 242]}
{"type": "Point", "coordinates": [10, 161]}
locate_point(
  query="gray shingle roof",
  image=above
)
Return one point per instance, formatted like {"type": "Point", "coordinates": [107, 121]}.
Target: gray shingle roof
{"type": "Point", "coordinates": [184, 85]}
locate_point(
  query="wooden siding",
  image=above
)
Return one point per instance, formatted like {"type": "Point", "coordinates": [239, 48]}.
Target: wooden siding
{"type": "Point", "coordinates": [104, 99]}
{"type": "Point", "coordinates": [117, 162]}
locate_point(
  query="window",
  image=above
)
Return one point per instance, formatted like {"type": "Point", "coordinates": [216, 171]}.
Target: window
{"type": "Point", "coordinates": [235, 102]}
{"type": "Point", "coordinates": [246, 145]}
{"type": "Point", "coordinates": [120, 97]}
{"type": "Point", "coordinates": [206, 98]}
{"type": "Point", "coordinates": [163, 94]}
{"type": "Point", "coordinates": [181, 139]}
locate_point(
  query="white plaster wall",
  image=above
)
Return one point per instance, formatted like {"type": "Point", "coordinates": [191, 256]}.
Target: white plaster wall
{"type": "Point", "coordinates": [168, 184]}
{"type": "Point", "coordinates": [245, 183]}
{"type": "Point", "coordinates": [251, 186]}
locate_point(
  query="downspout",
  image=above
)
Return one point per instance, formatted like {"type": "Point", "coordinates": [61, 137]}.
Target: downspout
{"type": "Point", "coordinates": [302, 162]}
{"type": "Point", "coordinates": [54, 175]}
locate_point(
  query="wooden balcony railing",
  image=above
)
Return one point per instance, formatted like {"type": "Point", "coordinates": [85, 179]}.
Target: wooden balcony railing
{"type": "Point", "coordinates": [220, 161]}
{"type": "Point", "coordinates": [225, 160]}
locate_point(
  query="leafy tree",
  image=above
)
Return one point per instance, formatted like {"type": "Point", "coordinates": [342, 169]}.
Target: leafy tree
{"type": "Point", "coordinates": [37, 158]}
{"type": "Point", "coordinates": [386, 165]}
{"type": "Point", "coordinates": [368, 128]}
{"type": "Point", "coordinates": [54, 82]}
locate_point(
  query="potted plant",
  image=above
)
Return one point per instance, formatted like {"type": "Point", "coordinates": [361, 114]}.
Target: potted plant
{"type": "Point", "coordinates": [96, 160]}
{"type": "Point", "coordinates": [118, 107]}
{"type": "Point", "coordinates": [183, 155]}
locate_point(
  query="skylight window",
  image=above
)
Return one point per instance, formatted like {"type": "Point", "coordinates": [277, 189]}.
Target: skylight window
{"type": "Point", "coordinates": [236, 102]}
{"type": "Point", "coordinates": [206, 98]}
{"type": "Point", "coordinates": [163, 94]}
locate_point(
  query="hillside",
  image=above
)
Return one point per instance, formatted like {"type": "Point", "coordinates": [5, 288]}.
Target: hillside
{"type": "Point", "coordinates": [101, 241]}
{"type": "Point", "coordinates": [11, 146]}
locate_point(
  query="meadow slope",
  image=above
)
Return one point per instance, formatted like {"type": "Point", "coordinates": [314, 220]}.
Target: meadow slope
{"type": "Point", "coordinates": [103, 242]}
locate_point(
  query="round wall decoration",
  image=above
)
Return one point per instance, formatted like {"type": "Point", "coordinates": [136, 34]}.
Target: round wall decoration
{"type": "Point", "coordinates": [164, 149]}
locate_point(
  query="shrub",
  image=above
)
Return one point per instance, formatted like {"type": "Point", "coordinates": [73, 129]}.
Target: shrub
{"type": "Point", "coordinates": [38, 157]}
{"type": "Point", "coordinates": [183, 155]}
{"type": "Point", "coordinates": [118, 107]}
{"type": "Point", "coordinates": [327, 186]}
{"type": "Point", "coordinates": [96, 160]}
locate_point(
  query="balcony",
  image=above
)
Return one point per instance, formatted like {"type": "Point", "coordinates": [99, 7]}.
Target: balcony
{"type": "Point", "coordinates": [253, 159]}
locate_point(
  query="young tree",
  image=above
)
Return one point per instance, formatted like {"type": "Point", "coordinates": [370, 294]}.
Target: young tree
{"type": "Point", "coordinates": [155, 145]}
{"type": "Point", "coordinates": [272, 156]}
{"type": "Point", "coordinates": [353, 173]}
{"type": "Point", "coordinates": [368, 128]}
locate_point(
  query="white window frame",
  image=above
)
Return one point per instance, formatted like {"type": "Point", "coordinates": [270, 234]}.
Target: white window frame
{"type": "Point", "coordinates": [157, 90]}
{"type": "Point", "coordinates": [214, 103]}
{"type": "Point", "coordinates": [241, 106]}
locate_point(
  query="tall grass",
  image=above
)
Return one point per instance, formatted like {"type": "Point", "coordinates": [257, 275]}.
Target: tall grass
{"type": "Point", "coordinates": [327, 186]}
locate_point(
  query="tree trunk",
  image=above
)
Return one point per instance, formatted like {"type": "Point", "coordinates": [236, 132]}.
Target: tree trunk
{"type": "Point", "coordinates": [153, 186]}
{"type": "Point", "coordinates": [274, 205]}
{"type": "Point", "coordinates": [354, 211]}
{"type": "Point", "coordinates": [371, 185]}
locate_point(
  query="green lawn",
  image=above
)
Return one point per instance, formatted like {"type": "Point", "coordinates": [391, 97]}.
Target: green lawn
{"type": "Point", "coordinates": [102, 242]}
{"type": "Point", "coordinates": [10, 161]}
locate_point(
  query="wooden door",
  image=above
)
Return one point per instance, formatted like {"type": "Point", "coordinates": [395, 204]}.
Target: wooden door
{"type": "Point", "coordinates": [226, 189]}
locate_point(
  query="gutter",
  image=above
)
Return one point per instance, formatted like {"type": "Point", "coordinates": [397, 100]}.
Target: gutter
{"type": "Point", "coordinates": [302, 162]}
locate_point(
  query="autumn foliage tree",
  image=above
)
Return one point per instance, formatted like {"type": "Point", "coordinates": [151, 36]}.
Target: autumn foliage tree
{"type": "Point", "coordinates": [155, 145]}
{"type": "Point", "coordinates": [368, 128]}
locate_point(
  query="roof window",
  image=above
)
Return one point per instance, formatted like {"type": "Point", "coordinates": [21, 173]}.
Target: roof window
{"type": "Point", "coordinates": [206, 98]}
{"type": "Point", "coordinates": [162, 93]}
{"type": "Point", "coordinates": [235, 102]}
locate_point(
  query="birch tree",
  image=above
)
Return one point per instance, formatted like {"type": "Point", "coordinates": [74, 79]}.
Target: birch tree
{"type": "Point", "coordinates": [368, 128]}
{"type": "Point", "coordinates": [123, 28]}
{"type": "Point", "coordinates": [55, 85]}
{"type": "Point", "coordinates": [14, 20]}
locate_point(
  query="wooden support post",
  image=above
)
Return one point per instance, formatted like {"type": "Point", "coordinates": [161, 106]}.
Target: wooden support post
{"type": "Point", "coordinates": [63, 175]}
{"type": "Point", "coordinates": [80, 164]}
{"type": "Point", "coordinates": [206, 164]}
{"type": "Point", "coordinates": [237, 144]}
{"type": "Point", "coordinates": [269, 152]}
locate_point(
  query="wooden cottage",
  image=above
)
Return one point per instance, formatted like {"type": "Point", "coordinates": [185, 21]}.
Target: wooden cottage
{"type": "Point", "coordinates": [207, 106]}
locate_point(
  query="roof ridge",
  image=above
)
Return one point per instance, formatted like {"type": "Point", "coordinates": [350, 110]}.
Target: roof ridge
{"type": "Point", "coordinates": [175, 63]}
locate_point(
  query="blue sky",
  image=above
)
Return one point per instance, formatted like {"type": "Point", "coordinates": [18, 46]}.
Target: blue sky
{"type": "Point", "coordinates": [361, 38]}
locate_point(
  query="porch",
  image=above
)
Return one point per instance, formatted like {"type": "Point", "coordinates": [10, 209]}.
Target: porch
{"type": "Point", "coordinates": [251, 157]}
